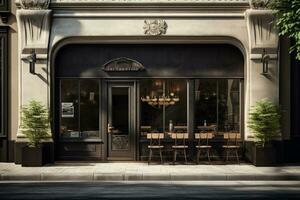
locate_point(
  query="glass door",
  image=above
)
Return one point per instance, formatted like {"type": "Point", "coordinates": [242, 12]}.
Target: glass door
{"type": "Point", "coordinates": [120, 126]}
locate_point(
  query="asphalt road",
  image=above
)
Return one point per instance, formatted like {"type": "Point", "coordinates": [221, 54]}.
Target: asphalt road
{"type": "Point", "coordinates": [151, 190]}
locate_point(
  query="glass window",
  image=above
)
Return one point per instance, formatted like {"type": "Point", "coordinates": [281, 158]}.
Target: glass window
{"type": "Point", "coordinates": [217, 105]}
{"type": "Point", "coordinates": [229, 105]}
{"type": "Point", "coordinates": [163, 103]}
{"type": "Point", "coordinates": [79, 109]}
{"type": "Point", "coordinates": [205, 103]}
{"type": "Point", "coordinates": [176, 109]}
{"type": "Point", "coordinates": [89, 108]}
{"type": "Point", "coordinates": [69, 108]}
{"type": "Point", "coordinates": [151, 108]}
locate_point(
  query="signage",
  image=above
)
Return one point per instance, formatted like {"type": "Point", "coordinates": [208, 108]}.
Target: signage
{"type": "Point", "coordinates": [67, 109]}
{"type": "Point", "coordinates": [123, 65]}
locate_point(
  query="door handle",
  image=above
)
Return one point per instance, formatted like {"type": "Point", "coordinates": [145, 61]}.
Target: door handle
{"type": "Point", "coordinates": [109, 128]}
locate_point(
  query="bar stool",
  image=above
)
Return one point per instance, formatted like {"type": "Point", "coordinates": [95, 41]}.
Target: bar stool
{"type": "Point", "coordinates": [203, 144]}
{"type": "Point", "coordinates": [155, 144]}
{"type": "Point", "coordinates": [179, 144]}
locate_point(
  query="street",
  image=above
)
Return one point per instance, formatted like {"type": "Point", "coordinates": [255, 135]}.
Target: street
{"type": "Point", "coordinates": [151, 190]}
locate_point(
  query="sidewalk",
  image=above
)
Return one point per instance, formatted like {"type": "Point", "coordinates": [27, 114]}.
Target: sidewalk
{"type": "Point", "coordinates": [144, 172]}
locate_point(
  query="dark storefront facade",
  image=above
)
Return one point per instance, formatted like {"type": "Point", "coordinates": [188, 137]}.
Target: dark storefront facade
{"type": "Point", "coordinates": [112, 71]}
{"type": "Point", "coordinates": [109, 96]}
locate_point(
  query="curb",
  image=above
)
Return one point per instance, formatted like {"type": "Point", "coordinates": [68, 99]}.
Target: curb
{"type": "Point", "coordinates": [147, 177]}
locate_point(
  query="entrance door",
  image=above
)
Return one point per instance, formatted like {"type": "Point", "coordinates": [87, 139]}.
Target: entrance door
{"type": "Point", "coordinates": [121, 116]}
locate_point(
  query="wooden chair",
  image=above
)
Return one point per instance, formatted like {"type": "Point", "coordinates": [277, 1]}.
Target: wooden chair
{"type": "Point", "coordinates": [203, 144]}
{"type": "Point", "coordinates": [179, 144]}
{"type": "Point", "coordinates": [155, 144]}
{"type": "Point", "coordinates": [232, 144]}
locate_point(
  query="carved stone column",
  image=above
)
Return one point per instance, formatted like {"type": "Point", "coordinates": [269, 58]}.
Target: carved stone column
{"type": "Point", "coordinates": [33, 20]}
{"type": "Point", "coordinates": [263, 49]}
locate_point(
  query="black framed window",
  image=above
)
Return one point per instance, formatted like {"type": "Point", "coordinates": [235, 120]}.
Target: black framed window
{"type": "Point", "coordinates": [163, 104]}
{"type": "Point", "coordinates": [79, 108]}
{"type": "Point", "coordinates": [218, 104]}
{"type": "Point", "coordinates": [3, 81]}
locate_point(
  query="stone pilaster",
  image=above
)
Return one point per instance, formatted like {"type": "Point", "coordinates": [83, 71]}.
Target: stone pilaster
{"type": "Point", "coordinates": [33, 20]}
{"type": "Point", "coordinates": [263, 40]}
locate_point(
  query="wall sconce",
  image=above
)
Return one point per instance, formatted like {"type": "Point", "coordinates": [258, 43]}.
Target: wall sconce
{"type": "Point", "coordinates": [32, 60]}
{"type": "Point", "coordinates": [265, 57]}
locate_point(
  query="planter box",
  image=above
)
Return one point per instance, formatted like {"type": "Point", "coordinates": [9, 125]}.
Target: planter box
{"type": "Point", "coordinates": [259, 156]}
{"type": "Point", "coordinates": [34, 156]}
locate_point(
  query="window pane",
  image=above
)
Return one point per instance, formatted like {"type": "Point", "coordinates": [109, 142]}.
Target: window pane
{"type": "Point", "coordinates": [229, 105]}
{"type": "Point", "coordinates": [151, 109]}
{"type": "Point", "coordinates": [176, 105]}
{"type": "Point", "coordinates": [205, 103]}
{"type": "Point", "coordinates": [89, 108]}
{"type": "Point", "coordinates": [120, 118]}
{"type": "Point", "coordinates": [69, 109]}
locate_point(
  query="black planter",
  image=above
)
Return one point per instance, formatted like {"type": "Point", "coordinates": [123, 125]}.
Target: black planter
{"type": "Point", "coordinates": [261, 156]}
{"type": "Point", "coordinates": [34, 156]}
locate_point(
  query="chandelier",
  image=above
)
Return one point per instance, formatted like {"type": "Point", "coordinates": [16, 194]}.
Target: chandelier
{"type": "Point", "coordinates": [160, 101]}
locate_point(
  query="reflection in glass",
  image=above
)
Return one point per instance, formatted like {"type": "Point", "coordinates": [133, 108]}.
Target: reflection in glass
{"type": "Point", "coordinates": [120, 118]}
{"type": "Point", "coordinates": [229, 105]}
{"type": "Point", "coordinates": [79, 115]}
{"type": "Point", "coordinates": [69, 108]}
{"type": "Point", "coordinates": [89, 108]}
{"type": "Point", "coordinates": [151, 112]}
{"type": "Point", "coordinates": [205, 102]}
{"type": "Point", "coordinates": [163, 104]}
{"type": "Point", "coordinates": [176, 113]}
{"type": "Point", "coordinates": [217, 104]}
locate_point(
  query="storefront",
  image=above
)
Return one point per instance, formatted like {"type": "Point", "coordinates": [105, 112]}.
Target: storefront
{"type": "Point", "coordinates": [112, 71]}
{"type": "Point", "coordinates": [109, 97]}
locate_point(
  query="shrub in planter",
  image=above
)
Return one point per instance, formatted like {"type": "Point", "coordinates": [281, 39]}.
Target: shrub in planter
{"type": "Point", "coordinates": [35, 126]}
{"type": "Point", "coordinates": [264, 121]}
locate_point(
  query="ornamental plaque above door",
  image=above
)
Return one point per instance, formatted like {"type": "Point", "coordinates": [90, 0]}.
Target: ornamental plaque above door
{"type": "Point", "coordinates": [122, 65]}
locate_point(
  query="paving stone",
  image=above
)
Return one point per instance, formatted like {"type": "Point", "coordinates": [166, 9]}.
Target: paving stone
{"type": "Point", "coordinates": [143, 171]}
{"type": "Point", "coordinates": [108, 177]}
{"type": "Point", "coordinates": [21, 177]}
{"type": "Point", "coordinates": [67, 177]}
{"type": "Point", "coordinates": [151, 176]}
{"type": "Point", "coordinates": [133, 176]}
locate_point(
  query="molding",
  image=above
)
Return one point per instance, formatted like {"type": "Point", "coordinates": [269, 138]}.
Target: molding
{"type": "Point", "coordinates": [83, 14]}
{"type": "Point", "coordinates": [262, 31]}
{"type": "Point", "coordinates": [34, 30]}
{"type": "Point", "coordinates": [150, 4]}
{"type": "Point", "coordinates": [38, 57]}
{"type": "Point", "coordinates": [259, 56]}
{"type": "Point", "coordinates": [34, 4]}
{"type": "Point", "coordinates": [151, 1]}
{"type": "Point", "coordinates": [259, 4]}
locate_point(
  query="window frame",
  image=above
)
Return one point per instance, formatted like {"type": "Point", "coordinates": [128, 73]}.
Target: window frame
{"type": "Point", "coordinates": [78, 80]}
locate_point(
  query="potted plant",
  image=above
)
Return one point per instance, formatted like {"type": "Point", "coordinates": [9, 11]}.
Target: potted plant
{"type": "Point", "coordinates": [264, 121]}
{"type": "Point", "coordinates": [35, 126]}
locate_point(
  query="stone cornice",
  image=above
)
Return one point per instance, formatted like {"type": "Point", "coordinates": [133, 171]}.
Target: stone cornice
{"type": "Point", "coordinates": [150, 1]}
{"type": "Point", "coordinates": [231, 6]}
{"type": "Point", "coordinates": [180, 5]}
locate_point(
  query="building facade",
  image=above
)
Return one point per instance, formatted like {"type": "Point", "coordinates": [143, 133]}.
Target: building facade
{"type": "Point", "coordinates": [111, 71]}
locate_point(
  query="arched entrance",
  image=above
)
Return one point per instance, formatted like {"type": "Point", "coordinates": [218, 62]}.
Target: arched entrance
{"type": "Point", "coordinates": [102, 92]}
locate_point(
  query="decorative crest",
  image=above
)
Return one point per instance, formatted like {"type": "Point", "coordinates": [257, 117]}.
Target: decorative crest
{"type": "Point", "coordinates": [34, 4]}
{"type": "Point", "coordinates": [155, 27]}
{"type": "Point", "coordinates": [259, 4]}
{"type": "Point", "coordinates": [123, 65]}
